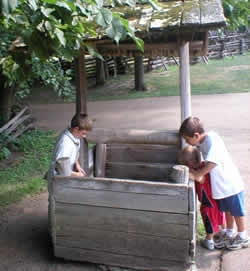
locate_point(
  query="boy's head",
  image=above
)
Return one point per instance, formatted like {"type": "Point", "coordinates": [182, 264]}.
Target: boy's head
{"type": "Point", "coordinates": [192, 130]}
{"type": "Point", "coordinates": [81, 125]}
{"type": "Point", "coordinates": [189, 156]}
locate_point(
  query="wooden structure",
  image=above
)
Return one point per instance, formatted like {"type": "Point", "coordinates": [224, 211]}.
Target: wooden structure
{"type": "Point", "coordinates": [138, 208]}
{"type": "Point", "coordinates": [176, 29]}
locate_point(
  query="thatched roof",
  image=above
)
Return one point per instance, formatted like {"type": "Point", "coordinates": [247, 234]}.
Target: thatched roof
{"type": "Point", "coordinates": [163, 29]}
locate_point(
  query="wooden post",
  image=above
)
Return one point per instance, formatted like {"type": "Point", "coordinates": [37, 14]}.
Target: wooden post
{"type": "Point", "coordinates": [139, 73]}
{"type": "Point", "coordinates": [100, 76]}
{"type": "Point", "coordinates": [185, 89]}
{"type": "Point", "coordinates": [81, 84]}
{"type": "Point", "coordinates": [100, 160]}
{"type": "Point", "coordinates": [81, 103]}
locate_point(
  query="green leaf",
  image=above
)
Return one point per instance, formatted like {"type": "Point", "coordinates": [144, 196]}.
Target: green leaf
{"type": "Point", "coordinates": [53, 2]}
{"type": "Point", "coordinates": [8, 5]}
{"type": "Point", "coordinates": [66, 5]}
{"type": "Point", "coordinates": [33, 4]}
{"type": "Point", "coordinates": [131, 3]}
{"type": "Point", "coordinates": [46, 11]}
{"type": "Point", "coordinates": [48, 26]}
{"type": "Point", "coordinates": [116, 30]}
{"type": "Point", "coordinates": [60, 36]}
{"type": "Point", "coordinates": [99, 3]}
{"type": "Point", "coordinates": [104, 17]}
{"type": "Point", "coordinates": [93, 52]}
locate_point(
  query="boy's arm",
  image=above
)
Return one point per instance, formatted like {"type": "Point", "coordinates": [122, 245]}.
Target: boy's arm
{"type": "Point", "coordinates": [79, 171]}
{"type": "Point", "coordinates": [198, 174]}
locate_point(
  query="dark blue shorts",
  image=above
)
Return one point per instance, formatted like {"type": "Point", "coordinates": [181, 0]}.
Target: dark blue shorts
{"type": "Point", "coordinates": [233, 204]}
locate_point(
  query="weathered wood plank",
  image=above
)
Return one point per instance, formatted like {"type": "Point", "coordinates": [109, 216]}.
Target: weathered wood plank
{"type": "Point", "coordinates": [192, 234]}
{"type": "Point", "coordinates": [119, 185]}
{"type": "Point", "coordinates": [129, 261]}
{"type": "Point", "coordinates": [191, 13]}
{"type": "Point", "coordinates": [142, 153]}
{"type": "Point", "coordinates": [126, 244]}
{"type": "Point", "coordinates": [139, 171]}
{"type": "Point", "coordinates": [75, 217]}
{"type": "Point", "coordinates": [212, 13]}
{"type": "Point", "coordinates": [133, 136]}
{"type": "Point", "coordinates": [100, 160]}
{"type": "Point", "coordinates": [120, 194]}
{"type": "Point", "coordinates": [169, 16]}
{"type": "Point", "coordinates": [192, 196]}
{"type": "Point", "coordinates": [179, 174]}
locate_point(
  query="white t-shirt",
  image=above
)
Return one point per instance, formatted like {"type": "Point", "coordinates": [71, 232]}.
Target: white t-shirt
{"type": "Point", "coordinates": [67, 147]}
{"type": "Point", "coordinates": [225, 177]}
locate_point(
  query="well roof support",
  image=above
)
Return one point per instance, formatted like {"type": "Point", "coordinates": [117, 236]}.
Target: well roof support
{"type": "Point", "coordinates": [184, 76]}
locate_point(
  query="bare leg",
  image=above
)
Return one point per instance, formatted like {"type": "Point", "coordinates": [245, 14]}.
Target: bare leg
{"type": "Point", "coordinates": [209, 236]}
{"type": "Point", "coordinates": [240, 222]}
{"type": "Point", "coordinates": [229, 220]}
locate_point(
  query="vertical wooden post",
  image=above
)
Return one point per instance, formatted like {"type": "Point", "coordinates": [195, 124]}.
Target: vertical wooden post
{"type": "Point", "coordinates": [100, 75]}
{"type": "Point", "coordinates": [81, 104]}
{"type": "Point", "coordinates": [139, 73]}
{"type": "Point", "coordinates": [185, 89]}
{"type": "Point", "coordinates": [184, 75]}
{"type": "Point", "coordinates": [81, 84]}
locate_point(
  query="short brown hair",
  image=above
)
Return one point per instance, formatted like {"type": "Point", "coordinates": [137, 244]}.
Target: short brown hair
{"type": "Point", "coordinates": [82, 121]}
{"type": "Point", "coordinates": [190, 126]}
{"type": "Point", "coordinates": [188, 153]}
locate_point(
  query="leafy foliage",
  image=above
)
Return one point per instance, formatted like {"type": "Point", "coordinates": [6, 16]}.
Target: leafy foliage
{"type": "Point", "coordinates": [33, 33]}
{"type": "Point", "coordinates": [26, 176]}
{"type": "Point", "coordinates": [237, 13]}
{"type": "Point", "coordinates": [7, 144]}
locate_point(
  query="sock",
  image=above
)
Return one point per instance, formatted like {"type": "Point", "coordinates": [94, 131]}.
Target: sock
{"type": "Point", "coordinates": [230, 232]}
{"type": "Point", "coordinates": [242, 234]}
{"type": "Point", "coordinates": [211, 241]}
{"type": "Point", "coordinates": [223, 230]}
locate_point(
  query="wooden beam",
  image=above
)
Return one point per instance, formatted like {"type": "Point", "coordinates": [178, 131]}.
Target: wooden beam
{"type": "Point", "coordinates": [133, 136]}
{"type": "Point", "coordinates": [81, 104]}
{"type": "Point", "coordinates": [184, 75]}
{"type": "Point", "coordinates": [81, 84]}
{"type": "Point", "coordinates": [196, 48]}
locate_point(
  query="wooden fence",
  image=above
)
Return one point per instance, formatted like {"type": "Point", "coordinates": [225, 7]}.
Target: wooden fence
{"type": "Point", "coordinates": [228, 44]}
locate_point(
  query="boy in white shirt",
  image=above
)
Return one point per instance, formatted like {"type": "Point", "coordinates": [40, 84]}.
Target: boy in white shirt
{"type": "Point", "coordinates": [65, 158]}
{"type": "Point", "coordinates": [226, 183]}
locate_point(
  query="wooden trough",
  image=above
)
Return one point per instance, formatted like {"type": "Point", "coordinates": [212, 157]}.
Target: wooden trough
{"type": "Point", "coordinates": [137, 209]}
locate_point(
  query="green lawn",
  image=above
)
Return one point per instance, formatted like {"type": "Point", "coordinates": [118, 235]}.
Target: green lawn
{"type": "Point", "coordinates": [25, 176]}
{"type": "Point", "coordinates": [228, 75]}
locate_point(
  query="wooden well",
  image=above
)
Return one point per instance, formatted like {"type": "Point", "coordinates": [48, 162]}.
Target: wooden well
{"type": "Point", "coordinates": [135, 214]}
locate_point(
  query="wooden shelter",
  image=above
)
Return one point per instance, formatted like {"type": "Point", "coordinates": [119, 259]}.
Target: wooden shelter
{"type": "Point", "coordinates": [176, 28]}
{"type": "Point", "coordinates": [137, 207]}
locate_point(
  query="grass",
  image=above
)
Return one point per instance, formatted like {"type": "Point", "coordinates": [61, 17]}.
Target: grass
{"type": "Point", "coordinates": [26, 176]}
{"type": "Point", "coordinates": [228, 75]}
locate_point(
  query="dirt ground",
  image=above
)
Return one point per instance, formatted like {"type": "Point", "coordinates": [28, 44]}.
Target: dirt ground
{"type": "Point", "coordinates": [24, 242]}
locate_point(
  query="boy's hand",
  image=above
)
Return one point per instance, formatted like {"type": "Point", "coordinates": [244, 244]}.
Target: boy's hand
{"type": "Point", "coordinates": [194, 176]}
{"type": "Point", "coordinates": [80, 170]}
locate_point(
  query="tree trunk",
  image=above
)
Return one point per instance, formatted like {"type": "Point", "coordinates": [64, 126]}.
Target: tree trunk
{"type": "Point", "coordinates": [6, 101]}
